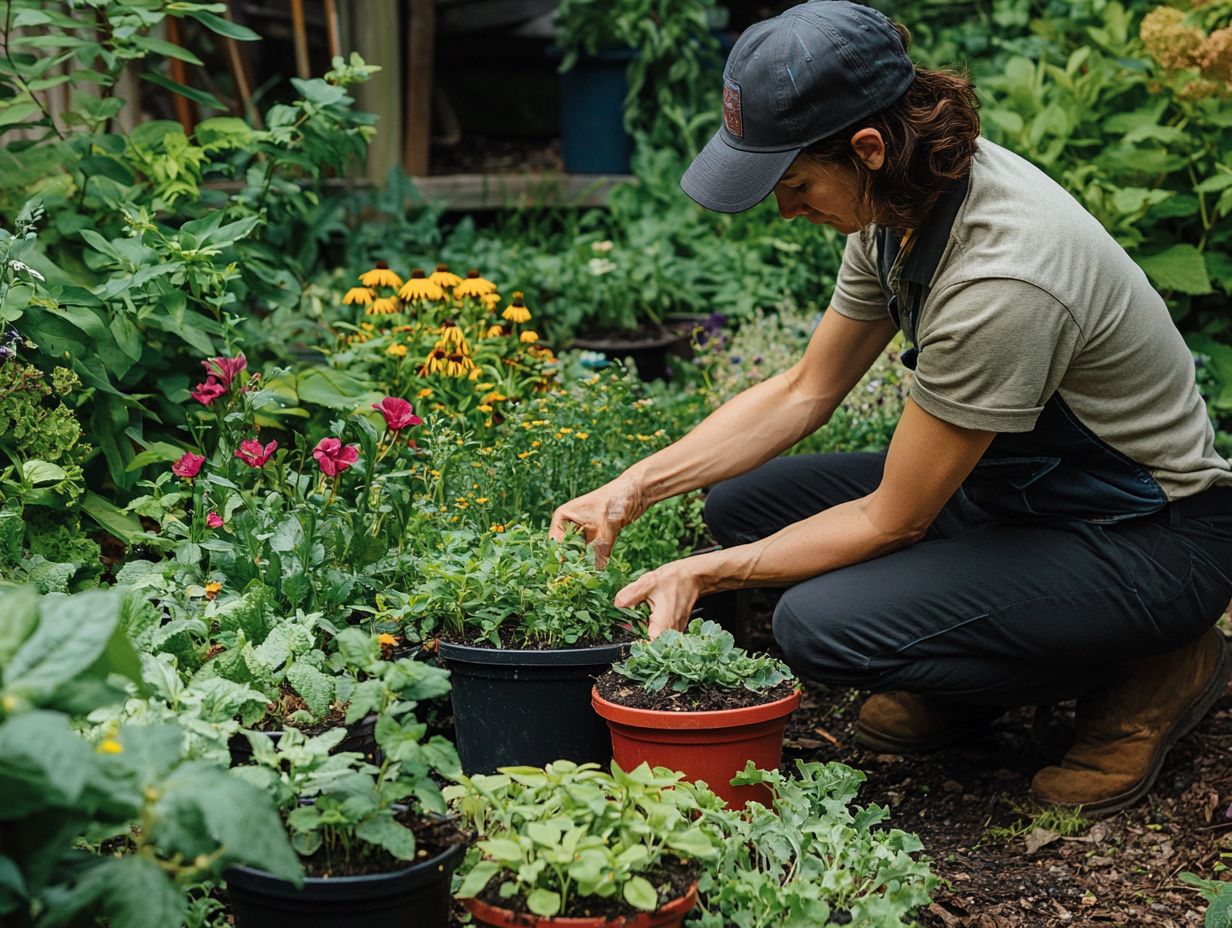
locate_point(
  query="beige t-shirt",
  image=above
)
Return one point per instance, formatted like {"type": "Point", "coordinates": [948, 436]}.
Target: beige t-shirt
{"type": "Point", "coordinates": [1035, 323]}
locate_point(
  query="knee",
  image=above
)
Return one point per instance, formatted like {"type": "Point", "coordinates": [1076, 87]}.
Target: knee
{"type": "Point", "coordinates": [725, 513]}
{"type": "Point", "coordinates": [825, 648]}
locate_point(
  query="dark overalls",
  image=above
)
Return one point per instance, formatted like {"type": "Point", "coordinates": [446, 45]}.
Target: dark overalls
{"type": "Point", "coordinates": [1058, 558]}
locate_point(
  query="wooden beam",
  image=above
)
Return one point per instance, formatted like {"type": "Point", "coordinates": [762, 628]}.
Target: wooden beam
{"type": "Point", "coordinates": [421, 36]}
{"type": "Point", "coordinates": [299, 32]}
{"type": "Point", "coordinates": [372, 26]}
{"type": "Point", "coordinates": [332, 31]}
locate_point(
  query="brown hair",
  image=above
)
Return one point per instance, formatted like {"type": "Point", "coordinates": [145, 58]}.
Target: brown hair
{"type": "Point", "coordinates": [930, 135]}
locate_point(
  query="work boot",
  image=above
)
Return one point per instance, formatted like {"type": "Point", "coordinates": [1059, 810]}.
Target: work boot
{"type": "Point", "coordinates": [907, 723]}
{"type": "Point", "coordinates": [1126, 728]}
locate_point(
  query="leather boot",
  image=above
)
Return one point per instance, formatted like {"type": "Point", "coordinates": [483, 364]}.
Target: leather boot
{"type": "Point", "coordinates": [907, 723]}
{"type": "Point", "coordinates": [1126, 728]}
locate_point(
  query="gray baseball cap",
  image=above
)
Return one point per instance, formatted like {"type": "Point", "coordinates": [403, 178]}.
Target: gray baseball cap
{"type": "Point", "coordinates": [790, 81]}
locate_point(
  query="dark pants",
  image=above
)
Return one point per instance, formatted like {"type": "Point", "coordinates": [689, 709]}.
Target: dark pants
{"type": "Point", "coordinates": [982, 610]}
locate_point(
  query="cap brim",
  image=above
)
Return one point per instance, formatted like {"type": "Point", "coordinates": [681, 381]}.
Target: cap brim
{"type": "Point", "coordinates": [729, 180]}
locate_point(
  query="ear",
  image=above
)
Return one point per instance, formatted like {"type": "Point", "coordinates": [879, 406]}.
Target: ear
{"type": "Point", "coordinates": [869, 148]}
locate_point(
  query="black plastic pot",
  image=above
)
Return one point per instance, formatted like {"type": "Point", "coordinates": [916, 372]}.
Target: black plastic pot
{"type": "Point", "coordinates": [527, 707]}
{"type": "Point", "coordinates": [360, 737]}
{"type": "Point", "coordinates": [418, 895]}
{"type": "Point", "coordinates": [649, 351]}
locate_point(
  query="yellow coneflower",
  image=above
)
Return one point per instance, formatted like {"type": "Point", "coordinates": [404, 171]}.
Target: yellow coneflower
{"type": "Point", "coordinates": [494, 331]}
{"type": "Point", "coordinates": [212, 589]}
{"type": "Point", "coordinates": [474, 285]}
{"type": "Point", "coordinates": [424, 393]}
{"type": "Point", "coordinates": [380, 276]}
{"type": "Point", "coordinates": [529, 336]}
{"type": "Point", "coordinates": [358, 295]}
{"type": "Point", "coordinates": [451, 334]}
{"type": "Point", "coordinates": [444, 278]}
{"type": "Point", "coordinates": [475, 374]}
{"type": "Point", "coordinates": [387, 640]}
{"type": "Point", "coordinates": [383, 306]}
{"type": "Point", "coordinates": [516, 311]}
{"type": "Point", "coordinates": [484, 407]}
{"type": "Point", "coordinates": [398, 351]}
{"type": "Point", "coordinates": [399, 329]}
{"type": "Point", "coordinates": [434, 362]}
{"type": "Point", "coordinates": [494, 397]}
{"type": "Point", "coordinates": [419, 287]}
{"type": "Point", "coordinates": [491, 300]}
{"type": "Point", "coordinates": [458, 365]}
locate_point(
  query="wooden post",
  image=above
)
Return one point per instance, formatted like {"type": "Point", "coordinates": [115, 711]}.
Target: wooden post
{"type": "Point", "coordinates": [421, 36]}
{"type": "Point", "coordinates": [299, 33]}
{"type": "Point", "coordinates": [185, 111]}
{"type": "Point", "coordinates": [374, 32]}
{"type": "Point", "coordinates": [331, 30]}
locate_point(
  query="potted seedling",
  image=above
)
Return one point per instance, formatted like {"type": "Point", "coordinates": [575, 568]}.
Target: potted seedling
{"type": "Point", "coordinates": [574, 845]}
{"type": "Point", "coordinates": [373, 840]}
{"type": "Point", "coordinates": [525, 625]}
{"type": "Point", "coordinates": [697, 703]}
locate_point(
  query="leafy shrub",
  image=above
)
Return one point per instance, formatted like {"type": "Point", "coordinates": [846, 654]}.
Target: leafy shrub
{"type": "Point", "coordinates": [810, 858]}
{"type": "Point", "coordinates": [704, 658]}
{"type": "Point", "coordinates": [557, 835]}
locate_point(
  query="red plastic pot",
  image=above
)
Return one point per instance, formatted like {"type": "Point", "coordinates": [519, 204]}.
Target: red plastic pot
{"type": "Point", "coordinates": [670, 916]}
{"type": "Point", "coordinates": [712, 746]}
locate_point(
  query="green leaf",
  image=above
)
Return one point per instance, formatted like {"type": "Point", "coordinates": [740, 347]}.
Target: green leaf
{"type": "Point", "coordinates": [478, 878]}
{"type": "Point", "coordinates": [192, 93]}
{"type": "Point", "coordinates": [158, 452]}
{"type": "Point", "coordinates": [129, 892]}
{"type": "Point", "coordinates": [163, 47]}
{"type": "Point", "coordinates": [36, 472]}
{"type": "Point", "coordinates": [123, 525]}
{"type": "Point", "coordinates": [225, 27]}
{"type": "Point", "coordinates": [42, 764]}
{"type": "Point", "coordinates": [316, 689]}
{"type": "Point", "coordinates": [1180, 268]}
{"type": "Point", "coordinates": [385, 832]}
{"type": "Point", "coordinates": [323, 386]}
{"type": "Point", "coordinates": [543, 902]}
{"type": "Point", "coordinates": [15, 113]}
{"type": "Point", "coordinates": [13, 891]}
{"type": "Point", "coordinates": [639, 893]}
{"type": "Point", "coordinates": [503, 849]}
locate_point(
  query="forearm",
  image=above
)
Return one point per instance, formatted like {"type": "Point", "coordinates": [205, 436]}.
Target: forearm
{"type": "Point", "coordinates": [846, 534]}
{"type": "Point", "coordinates": [743, 433]}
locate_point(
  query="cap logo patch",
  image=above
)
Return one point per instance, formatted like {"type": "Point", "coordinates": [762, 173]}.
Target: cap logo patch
{"type": "Point", "coordinates": [733, 120]}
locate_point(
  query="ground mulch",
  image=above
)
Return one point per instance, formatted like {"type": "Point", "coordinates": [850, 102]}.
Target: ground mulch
{"type": "Point", "coordinates": [1003, 863]}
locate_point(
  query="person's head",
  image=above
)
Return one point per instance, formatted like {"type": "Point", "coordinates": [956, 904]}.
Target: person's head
{"type": "Point", "coordinates": [823, 106]}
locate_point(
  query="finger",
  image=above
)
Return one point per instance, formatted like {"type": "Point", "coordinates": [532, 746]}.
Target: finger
{"type": "Point", "coordinates": [603, 541]}
{"type": "Point", "coordinates": [632, 594]}
{"type": "Point", "coordinates": [561, 520]}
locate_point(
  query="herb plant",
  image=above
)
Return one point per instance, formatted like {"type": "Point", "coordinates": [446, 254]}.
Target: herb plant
{"type": "Point", "coordinates": [706, 657]}
{"type": "Point", "coordinates": [810, 858]}
{"type": "Point", "coordinates": [557, 835]}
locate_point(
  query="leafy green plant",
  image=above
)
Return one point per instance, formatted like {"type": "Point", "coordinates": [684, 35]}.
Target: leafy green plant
{"type": "Point", "coordinates": [555, 836]}
{"type": "Point", "coordinates": [810, 858]}
{"type": "Point", "coordinates": [515, 588]}
{"type": "Point", "coordinates": [341, 809]}
{"type": "Point", "coordinates": [706, 657]}
{"type": "Point", "coordinates": [1218, 896]}
{"type": "Point", "coordinates": [167, 821]}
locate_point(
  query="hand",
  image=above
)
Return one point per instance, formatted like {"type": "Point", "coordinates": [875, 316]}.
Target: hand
{"type": "Point", "coordinates": [601, 514]}
{"type": "Point", "coordinates": [671, 591]}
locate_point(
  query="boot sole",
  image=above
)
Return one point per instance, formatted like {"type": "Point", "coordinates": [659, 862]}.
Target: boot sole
{"type": "Point", "coordinates": [887, 744]}
{"type": "Point", "coordinates": [1187, 722]}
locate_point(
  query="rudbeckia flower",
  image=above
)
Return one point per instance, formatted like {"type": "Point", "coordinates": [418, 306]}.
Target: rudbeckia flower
{"type": "Point", "coordinates": [474, 285]}
{"type": "Point", "coordinates": [398, 351]}
{"type": "Point", "coordinates": [212, 589]}
{"type": "Point", "coordinates": [491, 300]}
{"type": "Point", "coordinates": [398, 413]}
{"type": "Point", "coordinates": [493, 397]}
{"type": "Point", "coordinates": [252, 453]}
{"type": "Point", "coordinates": [206, 393]}
{"type": "Point", "coordinates": [451, 334]}
{"type": "Point", "coordinates": [516, 311]}
{"type": "Point", "coordinates": [529, 336]}
{"type": "Point", "coordinates": [358, 295]}
{"type": "Point", "coordinates": [494, 331]}
{"type": "Point", "coordinates": [458, 365]}
{"type": "Point", "coordinates": [380, 276]}
{"type": "Point", "coordinates": [333, 457]}
{"type": "Point", "coordinates": [188, 466]}
{"type": "Point", "coordinates": [383, 306]}
{"type": "Point", "coordinates": [444, 278]}
{"type": "Point", "coordinates": [435, 361]}
{"type": "Point", "coordinates": [419, 287]}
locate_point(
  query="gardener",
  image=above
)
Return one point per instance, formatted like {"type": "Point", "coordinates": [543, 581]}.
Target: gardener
{"type": "Point", "coordinates": [1051, 519]}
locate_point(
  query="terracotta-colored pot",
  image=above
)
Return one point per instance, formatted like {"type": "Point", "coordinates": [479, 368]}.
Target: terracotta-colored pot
{"type": "Point", "coordinates": [670, 916]}
{"type": "Point", "coordinates": [712, 746]}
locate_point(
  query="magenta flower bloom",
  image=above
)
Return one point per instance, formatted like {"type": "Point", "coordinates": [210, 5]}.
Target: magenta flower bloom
{"type": "Point", "coordinates": [226, 368]}
{"type": "Point", "coordinates": [213, 520]}
{"type": "Point", "coordinates": [188, 465]}
{"type": "Point", "coordinates": [206, 393]}
{"type": "Point", "coordinates": [252, 453]}
{"type": "Point", "coordinates": [398, 413]}
{"type": "Point", "coordinates": [334, 457]}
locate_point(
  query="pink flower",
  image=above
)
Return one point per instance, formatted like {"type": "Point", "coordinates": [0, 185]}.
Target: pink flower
{"type": "Point", "coordinates": [213, 520]}
{"type": "Point", "coordinates": [226, 368]}
{"type": "Point", "coordinates": [206, 393]}
{"type": "Point", "coordinates": [253, 454]}
{"type": "Point", "coordinates": [334, 457]}
{"type": "Point", "coordinates": [188, 466]}
{"type": "Point", "coordinates": [398, 413]}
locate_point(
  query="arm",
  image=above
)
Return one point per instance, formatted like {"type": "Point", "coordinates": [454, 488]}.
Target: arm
{"type": "Point", "coordinates": [927, 462]}
{"type": "Point", "coordinates": [743, 433]}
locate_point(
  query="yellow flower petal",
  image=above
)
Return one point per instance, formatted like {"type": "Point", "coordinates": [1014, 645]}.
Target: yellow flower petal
{"type": "Point", "coordinates": [380, 276]}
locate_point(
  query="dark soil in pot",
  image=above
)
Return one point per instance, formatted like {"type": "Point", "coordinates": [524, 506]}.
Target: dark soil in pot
{"type": "Point", "coordinates": [361, 736]}
{"type": "Point", "coordinates": [615, 688]}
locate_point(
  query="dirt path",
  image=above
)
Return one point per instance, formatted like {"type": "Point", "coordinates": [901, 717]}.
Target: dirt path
{"type": "Point", "coordinates": [1005, 864]}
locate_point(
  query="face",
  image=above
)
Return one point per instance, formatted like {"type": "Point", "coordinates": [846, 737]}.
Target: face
{"type": "Point", "coordinates": [824, 194]}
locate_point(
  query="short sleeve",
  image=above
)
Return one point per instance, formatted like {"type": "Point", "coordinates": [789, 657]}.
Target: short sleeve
{"type": "Point", "coordinates": [858, 293]}
{"type": "Point", "coordinates": [992, 352]}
